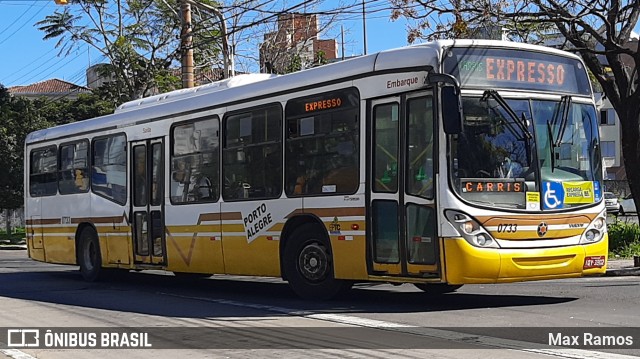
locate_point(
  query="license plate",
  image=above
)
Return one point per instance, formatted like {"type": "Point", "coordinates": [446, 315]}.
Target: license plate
{"type": "Point", "coordinates": [593, 262]}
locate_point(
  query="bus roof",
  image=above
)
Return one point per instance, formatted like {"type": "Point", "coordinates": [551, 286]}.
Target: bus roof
{"type": "Point", "coordinates": [262, 85]}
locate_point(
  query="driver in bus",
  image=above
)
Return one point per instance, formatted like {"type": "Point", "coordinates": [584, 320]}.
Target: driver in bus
{"type": "Point", "coordinates": [510, 169]}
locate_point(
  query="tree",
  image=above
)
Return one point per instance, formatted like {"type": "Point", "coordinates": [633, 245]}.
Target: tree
{"type": "Point", "coordinates": [598, 30]}
{"type": "Point", "coordinates": [20, 116]}
{"type": "Point", "coordinates": [140, 39]}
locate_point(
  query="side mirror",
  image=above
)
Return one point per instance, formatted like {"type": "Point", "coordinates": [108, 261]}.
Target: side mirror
{"type": "Point", "coordinates": [450, 100]}
{"type": "Point", "coordinates": [451, 110]}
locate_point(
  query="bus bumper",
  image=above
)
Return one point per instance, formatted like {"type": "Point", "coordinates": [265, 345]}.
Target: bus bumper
{"type": "Point", "coordinates": [466, 264]}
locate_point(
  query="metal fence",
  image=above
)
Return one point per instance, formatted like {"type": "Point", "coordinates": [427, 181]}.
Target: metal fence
{"type": "Point", "coordinates": [16, 218]}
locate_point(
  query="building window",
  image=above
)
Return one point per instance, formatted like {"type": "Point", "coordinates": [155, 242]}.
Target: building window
{"type": "Point", "coordinates": [607, 116]}
{"type": "Point", "coordinates": [608, 148]}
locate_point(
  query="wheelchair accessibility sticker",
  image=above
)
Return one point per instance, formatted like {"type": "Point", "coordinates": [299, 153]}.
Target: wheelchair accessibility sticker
{"type": "Point", "coordinates": [552, 195]}
{"type": "Point", "coordinates": [556, 194]}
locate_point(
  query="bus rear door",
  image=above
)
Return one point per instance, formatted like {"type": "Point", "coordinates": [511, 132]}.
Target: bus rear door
{"type": "Point", "coordinates": [147, 200]}
{"type": "Point", "coordinates": [402, 213]}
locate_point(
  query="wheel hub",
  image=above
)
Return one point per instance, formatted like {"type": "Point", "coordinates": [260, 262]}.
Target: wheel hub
{"type": "Point", "coordinates": [313, 262]}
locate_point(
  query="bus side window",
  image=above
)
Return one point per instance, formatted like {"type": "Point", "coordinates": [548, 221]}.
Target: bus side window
{"type": "Point", "coordinates": [73, 166]}
{"type": "Point", "coordinates": [252, 154]}
{"type": "Point", "coordinates": [43, 179]}
{"type": "Point", "coordinates": [323, 144]}
{"type": "Point", "coordinates": [109, 168]}
{"type": "Point", "coordinates": [194, 161]}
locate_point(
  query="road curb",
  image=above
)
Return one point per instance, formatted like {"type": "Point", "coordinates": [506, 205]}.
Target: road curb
{"type": "Point", "coordinates": [634, 271]}
{"type": "Point", "coordinates": [13, 247]}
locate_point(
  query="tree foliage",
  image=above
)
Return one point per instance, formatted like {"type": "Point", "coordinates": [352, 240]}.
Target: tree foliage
{"type": "Point", "coordinates": [598, 30]}
{"type": "Point", "coordinates": [139, 40]}
{"type": "Point", "coordinates": [20, 116]}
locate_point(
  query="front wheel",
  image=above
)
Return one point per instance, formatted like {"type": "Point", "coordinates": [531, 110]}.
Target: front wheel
{"type": "Point", "coordinates": [89, 257]}
{"type": "Point", "coordinates": [437, 288]}
{"type": "Point", "coordinates": [621, 211]}
{"type": "Point", "coordinates": [308, 265]}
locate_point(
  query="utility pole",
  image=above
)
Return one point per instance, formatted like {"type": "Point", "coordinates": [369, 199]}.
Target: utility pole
{"type": "Point", "coordinates": [187, 62]}
{"type": "Point", "coordinates": [186, 45]}
{"type": "Point", "coordinates": [364, 27]}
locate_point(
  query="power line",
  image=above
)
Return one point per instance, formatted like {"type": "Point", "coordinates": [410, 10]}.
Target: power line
{"type": "Point", "coordinates": [32, 69]}
{"type": "Point", "coordinates": [18, 18]}
{"type": "Point", "coordinates": [23, 25]}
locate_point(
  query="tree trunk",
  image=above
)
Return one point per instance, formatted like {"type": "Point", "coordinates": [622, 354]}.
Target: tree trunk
{"type": "Point", "coordinates": [630, 136]}
{"type": "Point", "coordinates": [7, 219]}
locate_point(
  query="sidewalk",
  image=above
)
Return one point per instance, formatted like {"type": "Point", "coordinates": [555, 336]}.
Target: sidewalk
{"type": "Point", "coordinates": [6, 246]}
{"type": "Point", "coordinates": [621, 267]}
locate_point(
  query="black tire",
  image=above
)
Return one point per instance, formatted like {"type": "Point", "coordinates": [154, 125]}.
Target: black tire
{"type": "Point", "coordinates": [437, 288]}
{"type": "Point", "coordinates": [308, 265]}
{"type": "Point", "coordinates": [621, 211]}
{"type": "Point", "coordinates": [89, 257]}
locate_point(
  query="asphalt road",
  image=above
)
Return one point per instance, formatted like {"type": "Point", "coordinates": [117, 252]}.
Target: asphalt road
{"type": "Point", "coordinates": [247, 317]}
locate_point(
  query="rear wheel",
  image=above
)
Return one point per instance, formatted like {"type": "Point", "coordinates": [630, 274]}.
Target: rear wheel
{"type": "Point", "coordinates": [308, 265]}
{"type": "Point", "coordinates": [437, 288]}
{"type": "Point", "coordinates": [89, 257]}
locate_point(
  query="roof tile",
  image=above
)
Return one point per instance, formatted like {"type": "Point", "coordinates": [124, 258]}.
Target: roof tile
{"type": "Point", "coordinates": [53, 86]}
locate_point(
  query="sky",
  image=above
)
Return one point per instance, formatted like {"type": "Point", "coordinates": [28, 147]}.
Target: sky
{"type": "Point", "coordinates": [25, 58]}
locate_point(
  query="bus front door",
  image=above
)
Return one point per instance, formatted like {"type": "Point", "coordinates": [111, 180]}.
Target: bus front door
{"type": "Point", "coordinates": [147, 200]}
{"type": "Point", "coordinates": [402, 213]}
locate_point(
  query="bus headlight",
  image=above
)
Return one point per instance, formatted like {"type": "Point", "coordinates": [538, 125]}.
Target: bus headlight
{"type": "Point", "coordinates": [591, 235]}
{"type": "Point", "coordinates": [471, 230]}
{"type": "Point", "coordinates": [599, 222]}
{"type": "Point", "coordinates": [595, 230]}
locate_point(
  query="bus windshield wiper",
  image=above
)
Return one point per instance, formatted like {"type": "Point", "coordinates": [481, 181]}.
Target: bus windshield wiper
{"type": "Point", "coordinates": [522, 123]}
{"type": "Point", "coordinates": [552, 146]}
{"type": "Point", "coordinates": [563, 106]}
{"type": "Point", "coordinates": [566, 100]}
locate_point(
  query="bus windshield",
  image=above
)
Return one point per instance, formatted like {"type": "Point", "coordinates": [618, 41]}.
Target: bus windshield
{"type": "Point", "coordinates": [519, 146]}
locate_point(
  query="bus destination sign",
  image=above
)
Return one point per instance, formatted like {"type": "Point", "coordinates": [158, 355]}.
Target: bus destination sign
{"type": "Point", "coordinates": [328, 101]}
{"type": "Point", "coordinates": [495, 68]}
{"type": "Point", "coordinates": [500, 68]}
{"type": "Point", "coordinates": [324, 104]}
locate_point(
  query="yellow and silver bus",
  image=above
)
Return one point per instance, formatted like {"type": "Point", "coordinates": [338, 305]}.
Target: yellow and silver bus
{"type": "Point", "coordinates": [440, 164]}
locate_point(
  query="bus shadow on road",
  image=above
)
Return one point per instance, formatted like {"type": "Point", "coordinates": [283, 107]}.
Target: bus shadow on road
{"type": "Point", "coordinates": [225, 296]}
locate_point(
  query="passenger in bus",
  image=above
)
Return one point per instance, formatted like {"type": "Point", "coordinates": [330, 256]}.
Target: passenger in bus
{"type": "Point", "coordinates": [179, 180]}
{"type": "Point", "coordinates": [81, 181]}
{"type": "Point", "coordinates": [140, 182]}
{"type": "Point", "coordinates": [300, 188]}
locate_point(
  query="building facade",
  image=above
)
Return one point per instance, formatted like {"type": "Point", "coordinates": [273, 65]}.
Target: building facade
{"type": "Point", "coordinates": [295, 45]}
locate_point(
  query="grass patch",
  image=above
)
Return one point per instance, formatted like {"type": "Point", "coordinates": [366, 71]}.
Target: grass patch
{"type": "Point", "coordinates": [624, 239]}
{"type": "Point", "coordinates": [12, 238]}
